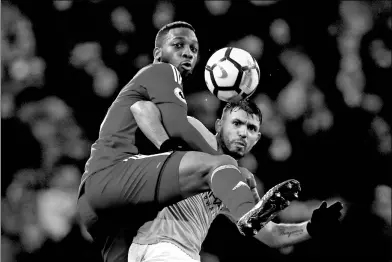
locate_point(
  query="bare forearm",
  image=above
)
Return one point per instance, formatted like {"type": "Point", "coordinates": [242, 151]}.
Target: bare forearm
{"type": "Point", "coordinates": [289, 234]}
{"type": "Point", "coordinates": [149, 120]}
{"type": "Point", "coordinates": [280, 235]}
{"type": "Point", "coordinates": [156, 134]}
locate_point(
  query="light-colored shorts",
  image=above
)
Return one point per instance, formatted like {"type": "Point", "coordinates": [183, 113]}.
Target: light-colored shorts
{"type": "Point", "coordinates": [160, 252]}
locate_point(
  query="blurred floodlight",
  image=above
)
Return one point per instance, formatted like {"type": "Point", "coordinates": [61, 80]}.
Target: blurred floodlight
{"type": "Point", "coordinates": [352, 97]}
{"type": "Point", "coordinates": [252, 44]}
{"type": "Point", "coordinates": [217, 7]}
{"type": "Point", "coordinates": [383, 134]}
{"type": "Point", "coordinates": [356, 15]}
{"type": "Point", "coordinates": [62, 5]}
{"type": "Point", "coordinates": [54, 211]}
{"type": "Point", "coordinates": [316, 98]}
{"type": "Point", "coordinates": [280, 31]}
{"type": "Point", "coordinates": [264, 103]}
{"type": "Point", "coordinates": [20, 69]}
{"type": "Point", "coordinates": [92, 66]}
{"type": "Point", "coordinates": [84, 52]}
{"type": "Point", "coordinates": [7, 105]}
{"type": "Point", "coordinates": [372, 103]}
{"type": "Point", "coordinates": [56, 107]}
{"type": "Point", "coordinates": [380, 126]}
{"type": "Point", "coordinates": [310, 125]}
{"type": "Point", "coordinates": [292, 100]}
{"type": "Point", "coordinates": [164, 13]}
{"type": "Point", "coordinates": [299, 65]}
{"type": "Point", "coordinates": [272, 125]}
{"type": "Point", "coordinates": [105, 82]}
{"type": "Point", "coordinates": [44, 131]}
{"type": "Point", "coordinates": [382, 202]}
{"type": "Point", "coordinates": [381, 55]}
{"type": "Point", "coordinates": [350, 62]}
{"type": "Point", "coordinates": [37, 66]}
{"type": "Point", "coordinates": [122, 20]}
{"type": "Point", "coordinates": [66, 176]}
{"type": "Point", "coordinates": [325, 119]}
{"type": "Point", "coordinates": [350, 82]}
{"type": "Point", "coordinates": [348, 43]}
{"type": "Point", "coordinates": [385, 144]}
{"type": "Point", "coordinates": [263, 2]}
{"type": "Point", "coordinates": [280, 148]}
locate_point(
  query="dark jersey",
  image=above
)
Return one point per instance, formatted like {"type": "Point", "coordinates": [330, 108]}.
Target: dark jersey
{"type": "Point", "coordinates": [118, 136]}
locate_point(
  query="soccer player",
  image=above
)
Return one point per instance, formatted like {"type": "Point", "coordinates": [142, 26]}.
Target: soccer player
{"type": "Point", "coordinates": [178, 231]}
{"type": "Point", "coordinates": [125, 182]}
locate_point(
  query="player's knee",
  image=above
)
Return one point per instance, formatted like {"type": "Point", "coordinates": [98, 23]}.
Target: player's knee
{"type": "Point", "coordinates": [196, 169]}
{"type": "Point", "coordinates": [221, 161]}
{"type": "Point", "coordinates": [224, 160]}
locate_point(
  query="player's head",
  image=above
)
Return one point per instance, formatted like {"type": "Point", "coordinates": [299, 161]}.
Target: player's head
{"type": "Point", "coordinates": [176, 43]}
{"type": "Point", "coordinates": [238, 130]}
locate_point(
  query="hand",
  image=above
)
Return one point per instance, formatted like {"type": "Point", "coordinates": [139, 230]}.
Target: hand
{"type": "Point", "coordinates": [251, 181]}
{"type": "Point", "coordinates": [324, 221]}
{"type": "Point", "coordinates": [173, 144]}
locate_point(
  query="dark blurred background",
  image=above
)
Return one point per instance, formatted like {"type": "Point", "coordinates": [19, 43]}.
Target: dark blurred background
{"type": "Point", "coordinates": [325, 78]}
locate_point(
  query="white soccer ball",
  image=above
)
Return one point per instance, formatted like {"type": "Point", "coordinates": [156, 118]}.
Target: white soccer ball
{"type": "Point", "coordinates": [232, 74]}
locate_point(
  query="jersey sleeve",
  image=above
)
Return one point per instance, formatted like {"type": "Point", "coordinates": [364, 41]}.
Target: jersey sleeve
{"type": "Point", "coordinates": [163, 83]}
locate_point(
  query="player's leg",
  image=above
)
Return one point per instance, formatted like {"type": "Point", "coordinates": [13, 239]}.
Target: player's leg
{"type": "Point", "coordinates": [166, 178]}
{"type": "Point", "coordinates": [197, 172]}
{"type": "Point", "coordinates": [131, 182]}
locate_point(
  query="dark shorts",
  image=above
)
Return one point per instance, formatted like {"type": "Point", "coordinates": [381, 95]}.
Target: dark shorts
{"type": "Point", "coordinates": [129, 193]}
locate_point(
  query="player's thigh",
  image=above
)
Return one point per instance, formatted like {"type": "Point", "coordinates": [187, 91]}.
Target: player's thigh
{"type": "Point", "coordinates": [130, 182]}
{"type": "Point", "coordinates": [191, 171]}
{"type": "Point", "coordinates": [86, 216]}
{"type": "Point", "coordinates": [161, 179]}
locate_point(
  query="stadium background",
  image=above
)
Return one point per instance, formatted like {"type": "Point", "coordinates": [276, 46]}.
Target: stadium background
{"type": "Point", "coordinates": [325, 78]}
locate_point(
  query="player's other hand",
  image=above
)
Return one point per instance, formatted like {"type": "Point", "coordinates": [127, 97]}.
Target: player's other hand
{"type": "Point", "coordinates": [173, 144]}
{"type": "Point", "coordinates": [325, 220]}
{"type": "Point", "coordinates": [251, 181]}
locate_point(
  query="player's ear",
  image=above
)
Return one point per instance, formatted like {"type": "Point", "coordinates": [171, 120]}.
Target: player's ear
{"type": "Point", "coordinates": [218, 125]}
{"type": "Point", "coordinates": [258, 136]}
{"type": "Point", "coordinates": [157, 54]}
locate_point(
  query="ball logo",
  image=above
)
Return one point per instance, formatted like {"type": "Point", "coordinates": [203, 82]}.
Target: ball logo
{"type": "Point", "coordinates": [223, 72]}
{"type": "Point", "coordinates": [179, 94]}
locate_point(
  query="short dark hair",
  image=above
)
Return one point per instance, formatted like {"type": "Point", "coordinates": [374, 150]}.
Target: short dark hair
{"type": "Point", "coordinates": [166, 28]}
{"type": "Point", "coordinates": [246, 105]}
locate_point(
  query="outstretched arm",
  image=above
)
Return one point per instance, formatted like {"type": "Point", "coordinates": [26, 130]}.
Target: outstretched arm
{"type": "Point", "coordinates": [324, 221]}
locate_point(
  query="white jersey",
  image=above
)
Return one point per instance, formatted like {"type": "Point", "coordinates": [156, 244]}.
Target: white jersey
{"type": "Point", "coordinates": [184, 224]}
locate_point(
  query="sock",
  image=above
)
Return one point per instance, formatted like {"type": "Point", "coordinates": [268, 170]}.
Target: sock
{"type": "Point", "coordinates": [230, 187]}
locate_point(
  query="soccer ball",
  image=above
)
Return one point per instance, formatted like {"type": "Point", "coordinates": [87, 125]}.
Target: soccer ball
{"type": "Point", "coordinates": [232, 74]}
